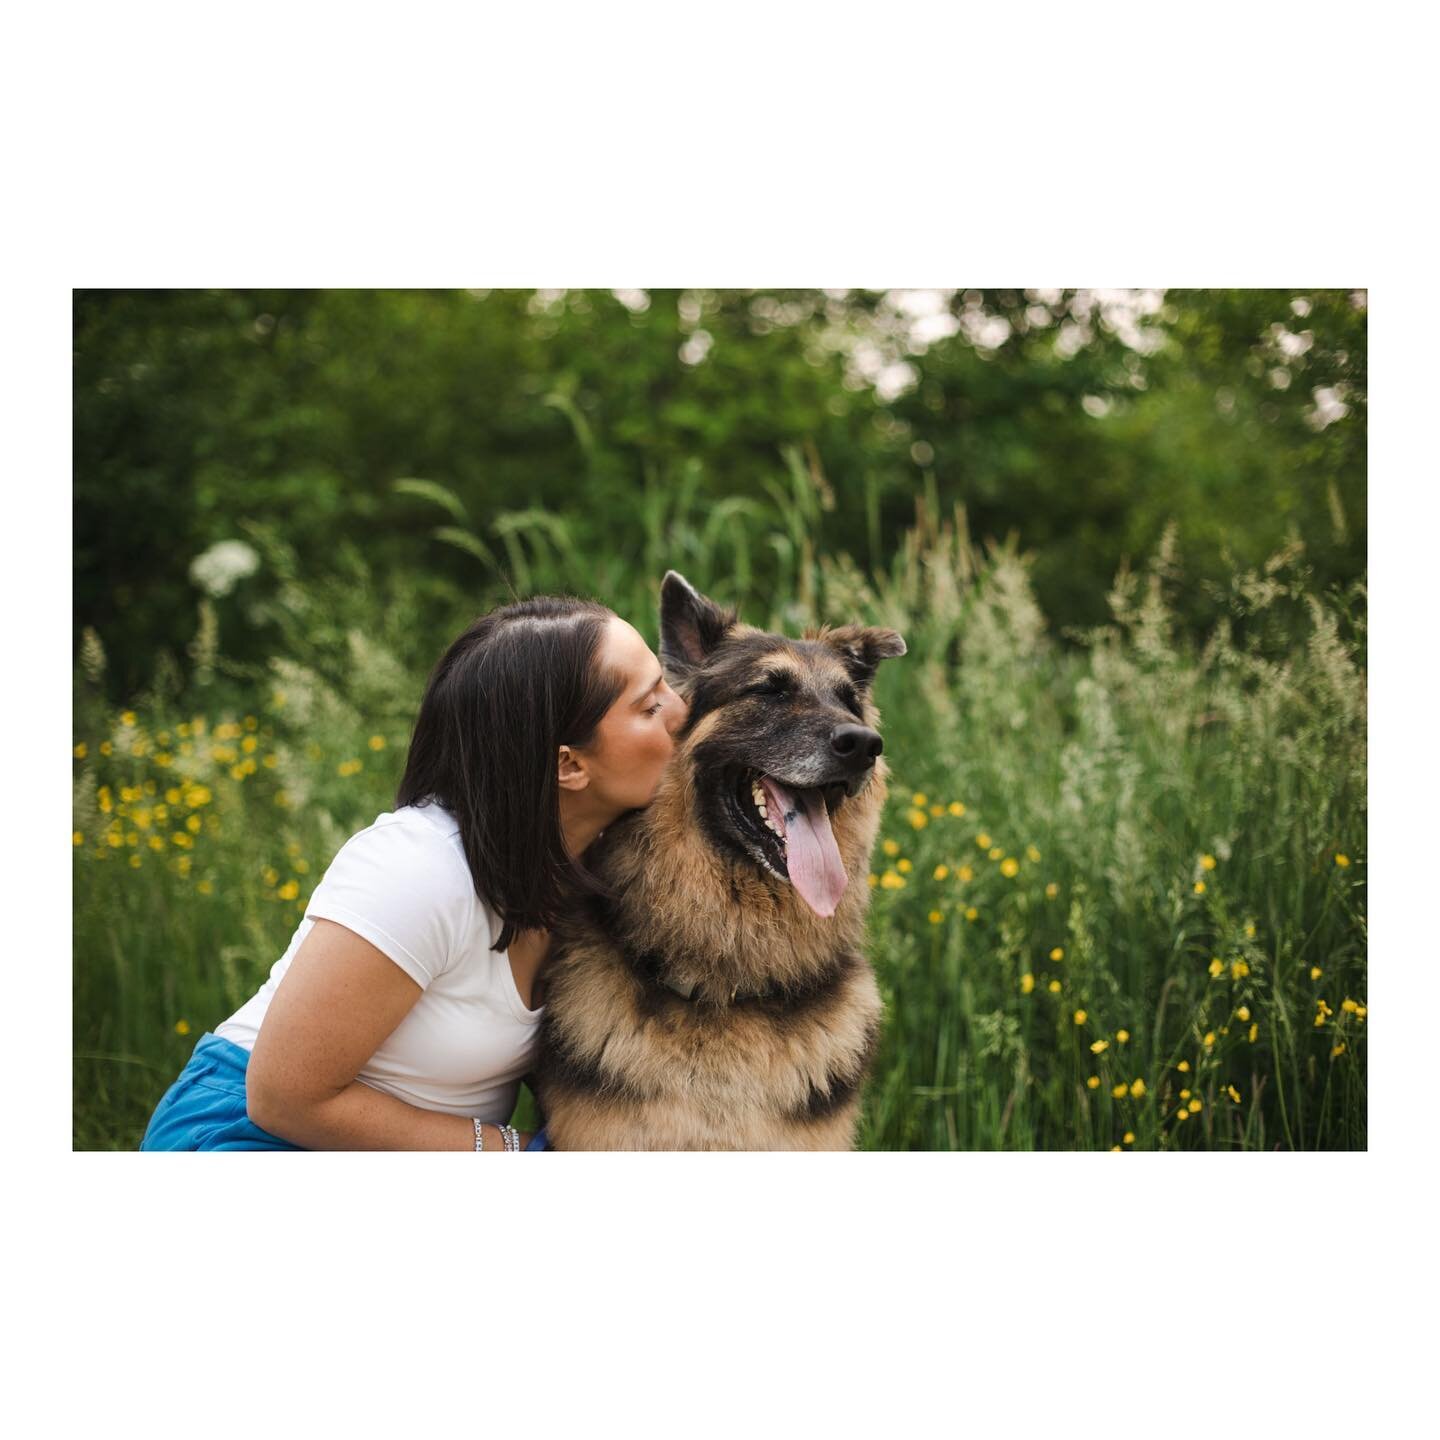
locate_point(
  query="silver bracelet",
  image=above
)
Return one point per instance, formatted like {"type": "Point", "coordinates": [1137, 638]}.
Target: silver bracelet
{"type": "Point", "coordinates": [512, 1139]}
{"type": "Point", "coordinates": [479, 1136]}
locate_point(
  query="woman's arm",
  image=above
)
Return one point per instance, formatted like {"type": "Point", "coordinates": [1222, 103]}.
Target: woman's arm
{"type": "Point", "coordinates": [338, 1001]}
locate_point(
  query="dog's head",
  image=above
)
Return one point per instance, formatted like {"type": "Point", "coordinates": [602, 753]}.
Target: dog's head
{"type": "Point", "coordinates": [781, 733]}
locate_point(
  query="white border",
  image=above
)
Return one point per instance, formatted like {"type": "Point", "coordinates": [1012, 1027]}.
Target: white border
{"type": "Point", "coordinates": [162, 144]}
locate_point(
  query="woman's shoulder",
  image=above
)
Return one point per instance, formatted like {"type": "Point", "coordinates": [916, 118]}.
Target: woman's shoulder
{"type": "Point", "coordinates": [418, 848]}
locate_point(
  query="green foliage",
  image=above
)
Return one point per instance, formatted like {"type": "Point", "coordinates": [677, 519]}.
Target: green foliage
{"type": "Point", "coordinates": [1124, 760]}
{"type": "Point", "coordinates": [1079, 426]}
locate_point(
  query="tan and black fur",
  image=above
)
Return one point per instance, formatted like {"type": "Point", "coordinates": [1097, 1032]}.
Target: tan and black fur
{"type": "Point", "coordinates": [770, 1050]}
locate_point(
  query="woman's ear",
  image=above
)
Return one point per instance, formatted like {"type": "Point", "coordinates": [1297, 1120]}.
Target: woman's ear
{"type": "Point", "coordinates": [572, 773]}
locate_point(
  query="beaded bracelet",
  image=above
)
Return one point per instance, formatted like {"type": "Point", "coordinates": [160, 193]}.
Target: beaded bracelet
{"type": "Point", "coordinates": [479, 1136]}
{"type": "Point", "coordinates": [512, 1139]}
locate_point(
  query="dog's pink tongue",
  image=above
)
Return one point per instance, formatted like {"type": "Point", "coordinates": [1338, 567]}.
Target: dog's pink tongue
{"type": "Point", "coordinates": [811, 855]}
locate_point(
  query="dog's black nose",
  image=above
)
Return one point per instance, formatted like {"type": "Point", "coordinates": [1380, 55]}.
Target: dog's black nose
{"type": "Point", "coordinates": [856, 745]}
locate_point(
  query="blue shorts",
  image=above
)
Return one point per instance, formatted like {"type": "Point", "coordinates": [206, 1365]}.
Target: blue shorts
{"type": "Point", "coordinates": [205, 1108]}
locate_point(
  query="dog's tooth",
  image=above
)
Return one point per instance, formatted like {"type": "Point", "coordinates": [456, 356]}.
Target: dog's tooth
{"type": "Point", "coordinates": [763, 812]}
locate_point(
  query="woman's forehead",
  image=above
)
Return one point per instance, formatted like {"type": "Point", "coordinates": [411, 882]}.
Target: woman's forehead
{"type": "Point", "coordinates": [627, 650]}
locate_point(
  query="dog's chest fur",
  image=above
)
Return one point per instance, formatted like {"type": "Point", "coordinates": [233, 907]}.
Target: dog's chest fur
{"type": "Point", "coordinates": [771, 1051]}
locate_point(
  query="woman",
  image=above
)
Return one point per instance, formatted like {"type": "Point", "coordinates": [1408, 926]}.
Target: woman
{"type": "Point", "coordinates": [405, 1010]}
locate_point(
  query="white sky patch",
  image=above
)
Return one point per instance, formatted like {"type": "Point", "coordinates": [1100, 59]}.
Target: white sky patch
{"type": "Point", "coordinates": [635, 301]}
{"type": "Point", "coordinates": [697, 347]}
{"type": "Point", "coordinates": [1329, 407]}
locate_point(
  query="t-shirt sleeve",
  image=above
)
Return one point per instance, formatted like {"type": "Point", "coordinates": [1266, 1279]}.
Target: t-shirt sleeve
{"type": "Point", "coordinates": [396, 887]}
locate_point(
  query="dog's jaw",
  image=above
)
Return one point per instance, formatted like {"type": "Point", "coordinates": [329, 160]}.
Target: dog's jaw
{"type": "Point", "coordinates": [722, 921]}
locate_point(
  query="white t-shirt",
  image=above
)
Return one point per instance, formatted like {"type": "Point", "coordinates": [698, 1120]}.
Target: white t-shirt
{"type": "Point", "coordinates": [403, 884]}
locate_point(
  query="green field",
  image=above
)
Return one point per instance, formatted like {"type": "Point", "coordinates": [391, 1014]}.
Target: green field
{"type": "Point", "coordinates": [1121, 897]}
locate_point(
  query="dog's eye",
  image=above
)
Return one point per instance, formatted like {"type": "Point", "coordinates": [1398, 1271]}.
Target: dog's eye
{"type": "Point", "coordinates": [771, 685]}
{"type": "Point", "coordinates": [850, 700]}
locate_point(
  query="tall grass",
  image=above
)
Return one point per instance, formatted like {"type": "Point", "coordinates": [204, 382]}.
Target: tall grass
{"type": "Point", "coordinates": [1121, 897]}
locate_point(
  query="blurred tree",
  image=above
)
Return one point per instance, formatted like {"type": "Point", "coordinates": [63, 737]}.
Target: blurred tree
{"type": "Point", "coordinates": [1081, 420]}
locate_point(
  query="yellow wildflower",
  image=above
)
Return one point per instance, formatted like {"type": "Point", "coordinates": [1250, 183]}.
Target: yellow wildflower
{"type": "Point", "coordinates": [1122, 1037]}
{"type": "Point", "coordinates": [1250, 929]}
{"type": "Point", "coordinates": [128, 719]}
{"type": "Point", "coordinates": [1254, 1031]}
{"type": "Point", "coordinates": [1338, 1050]}
{"type": "Point", "coordinates": [919, 798]}
{"type": "Point", "coordinates": [1120, 1091]}
{"type": "Point", "coordinates": [1217, 968]}
{"type": "Point", "coordinates": [1129, 1137]}
{"type": "Point", "coordinates": [904, 866]}
{"type": "Point", "coordinates": [891, 881]}
{"type": "Point", "coordinates": [1319, 1018]}
{"type": "Point", "coordinates": [972, 913]}
{"type": "Point", "coordinates": [205, 888]}
{"type": "Point", "coordinates": [1342, 861]}
{"type": "Point", "coordinates": [890, 847]}
{"type": "Point", "coordinates": [1079, 1017]}
{"type": "Point", "coordinates": [1359, 1012]}
{"type": "Point", "coordinates": [936, 811]}
{"type": "Point", "coordinates": [1316, 972]}
{"type": "Point", "coordinates": [77, 838]}
{"type": "Point", "coordinates": [182, 1027]}
{"type": "Point", "coordinates": [1233, 1093]}
{"type": "Point", "coordinates": [141, 818]}
{"type": "Point", "coordinates": [1243, 1013]}
{"type": "Point", "coordinates": [1027, 983]}
{"type": "Point", "coordinates": [192, 824]}
{"type": "Point", "coordinates": [941, 871]}
{"type": "Point", "coordinates": [1137, 1088]}
{"type": "Point", "coordinates": [182, 865]}
{"type": "Point", "coordinates": [1184, 1094]}
{"type": "Point", "coordinates": [1093, 1082]}
{"type": "Point", "coordinates": [935, 917]}
{"type": "Point", "coordinates": [105, 747]}
{"type": "Point", "coordinates": [965, 873]}
{"type": "Point", "coordinates": [1207, 862]}
{"type": "Point", "coordinates": [156, 842]}
{"type": "Point", "coordinates": [1051, 890]}
{"type": "Point", "coordinates": [1348, 1006]}
{"type": "Point", "coordinates": [1182, 1113]}
{"type": "Point", "coordinates": [1238, 969]}
{"type": "Point", "coordinates": [1209, 1039]}
{"type": "Point", "coordinates": [80, 751]}
{"type": "Point", "coordinates": [270, 762]}
{"type": "Point", "coordinates": [349, 767]}
{"type": "Point", "coordinates": [1116, 1150]}
{"type": "Point", "coordinates": [872, 879]}
{"type": "Point", "coordinates": [1058, 953]}
{"type": "Point", "coordinates": [1032, 854]}
{"type": "Point", "coordinates": [289, 890]}
{"type": "Point", "coordinates": [1098, 1047]}
{"type": "Point", "coordinates": [1054, 987]}
{"type": "Point", "coordinates": [1009, 868]}
{"type": "Point", "coordinates": [918, 819]}
{"type": "Point", "coordinates": [1183, 1066]}
{"type": "Point", "coordinates": [103, 797]}
{"type": "Point", "coordinates": [996, 852]}
{"type": "Point", "coordinates": [983, 840]}
{"type": "Point", "coordinates": [197, 795]}
{"type": "Point", "coordinates": [956, 808]}
{"type": "Point", "coordinates": [134, 862]}
{"type": "Point", "coordinates": [1195, 1107]}
{"type": "Point", "coordinates": [1199, 887]}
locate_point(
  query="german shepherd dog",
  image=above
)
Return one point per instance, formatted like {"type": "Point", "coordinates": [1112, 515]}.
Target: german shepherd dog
{"type": "Point", "coordinates": [720, 999]}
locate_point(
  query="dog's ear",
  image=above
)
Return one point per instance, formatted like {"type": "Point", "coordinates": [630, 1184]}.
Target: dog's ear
{"type": "Point", "coordinates": [863, 647]}
{"type": "Point", "coordinates": [691, 626]}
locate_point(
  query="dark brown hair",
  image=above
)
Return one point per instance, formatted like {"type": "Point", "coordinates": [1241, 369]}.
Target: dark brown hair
{"type": "Point", "coordinates": [519, 683]}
